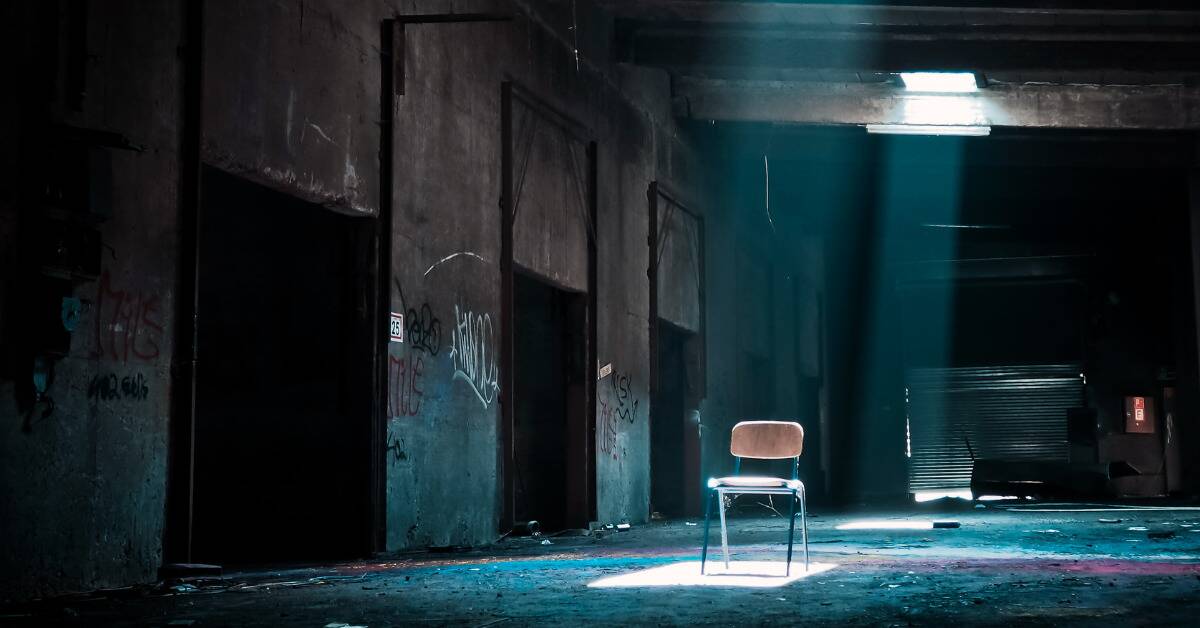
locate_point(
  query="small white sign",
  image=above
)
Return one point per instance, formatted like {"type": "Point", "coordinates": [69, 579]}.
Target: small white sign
{"type": "Point", "coordinates": [396, 327]}
{"type": "Point", "coordinates": [605, 371]}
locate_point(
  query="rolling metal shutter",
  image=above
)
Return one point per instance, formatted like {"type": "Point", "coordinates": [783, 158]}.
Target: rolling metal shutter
{"type": "Point", "coordinates": [1010, 412]}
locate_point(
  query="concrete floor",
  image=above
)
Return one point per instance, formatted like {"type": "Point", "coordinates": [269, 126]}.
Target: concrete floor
{"type": "Point", "coordinates": [1043, 568]}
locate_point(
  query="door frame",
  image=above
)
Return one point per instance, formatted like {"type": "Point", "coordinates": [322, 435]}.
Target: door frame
{"type": "Point", "coordinates": [581, 445]}
{"type": "Point", "coordinates": [696, 347]}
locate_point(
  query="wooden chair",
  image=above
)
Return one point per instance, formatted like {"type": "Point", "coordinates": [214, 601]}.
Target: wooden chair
{"type": "Point", "coordinates": [764, 440]}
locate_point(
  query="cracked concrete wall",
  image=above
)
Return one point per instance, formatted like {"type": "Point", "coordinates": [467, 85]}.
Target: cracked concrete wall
{"type": "Point", "coordinates": [291, 97]}
{"type": "Point", "coordinates": [446, 253]}
{"type": "Point", "coordinates": [292, 101]}
{"type": "Point", "coordinates": [82, 491]}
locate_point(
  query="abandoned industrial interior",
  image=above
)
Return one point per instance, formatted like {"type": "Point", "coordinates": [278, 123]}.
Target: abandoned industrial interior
{"type": "Point", "coordinates": [659, 312]}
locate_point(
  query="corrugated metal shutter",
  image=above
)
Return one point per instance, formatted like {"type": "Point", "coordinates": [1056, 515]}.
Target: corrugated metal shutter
{"type": "Point", "coordinates": [1011, 412]}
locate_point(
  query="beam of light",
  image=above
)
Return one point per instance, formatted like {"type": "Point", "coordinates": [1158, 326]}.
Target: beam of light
{"type": "Point", "coordinates": [929, 129]}
{"type": "Point", "coordinates": [939, 82]}
{"type": "Point", "coordinates": [753, 574]}
{"type": "Point", "coordinates": [928, 496]}
{"type": "Point", "coordinates": [886, 524]}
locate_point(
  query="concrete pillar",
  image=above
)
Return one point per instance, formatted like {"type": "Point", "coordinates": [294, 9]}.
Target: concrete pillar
{"type": "Point", "coordinates": [1187, 426]}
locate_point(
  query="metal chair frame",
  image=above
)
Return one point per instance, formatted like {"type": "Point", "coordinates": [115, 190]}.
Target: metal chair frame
{"type": "Point", "coordinates": [717, 493]}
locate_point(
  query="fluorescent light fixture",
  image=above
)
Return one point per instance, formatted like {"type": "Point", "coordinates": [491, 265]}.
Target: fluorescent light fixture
{"type": "Point", "coordinates": [747, 574]}
{"type": "Point", "coordinates": [939, 82]}
{"type": "Point", "coordinates": [928, 496]}
{"type": "Point", "coordinates": [929, 129]}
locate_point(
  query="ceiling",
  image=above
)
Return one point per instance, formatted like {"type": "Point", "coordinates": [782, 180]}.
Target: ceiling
{"type": "Point", "coordinates": [1030, 55]}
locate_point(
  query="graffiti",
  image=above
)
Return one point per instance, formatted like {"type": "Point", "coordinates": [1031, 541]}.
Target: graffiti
{"type": "Point", "coordinates": [618, 406]}
{"type": "Point", "coordinates": [134, 387]}
{"type": "Point", "coordinates": [396, 450]}
{"type": "Point", "coordinates": [627, 406]}
{"type": "Point", "coordinates": [424, 330]}
{"type": "Point", "coordinates": [404, 392]}
{"type": "Point", "coordinates": [128, 323]}
{"type": "Point", "coordinates": [473, 355]}
{"type": "Point", "coordinates": [606, 432]}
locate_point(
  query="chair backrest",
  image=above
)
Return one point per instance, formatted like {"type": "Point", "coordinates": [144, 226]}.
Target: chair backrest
{"type": "Point", "coordinates": [770, 440]}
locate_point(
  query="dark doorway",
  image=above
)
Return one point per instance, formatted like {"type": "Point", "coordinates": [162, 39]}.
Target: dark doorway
{"type": "Point", "coordinates": [283, 392]}
{"type": "Point", "coordinates": [674, 435]}
{"type": "Point", "coordinates": [550, 405]}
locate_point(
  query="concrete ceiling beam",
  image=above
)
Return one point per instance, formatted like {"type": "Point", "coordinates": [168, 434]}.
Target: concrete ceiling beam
{"type": "Point", "coordinates": [1160, 107]}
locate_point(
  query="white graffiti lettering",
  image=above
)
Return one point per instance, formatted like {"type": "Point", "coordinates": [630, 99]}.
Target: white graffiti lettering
{"type": "Point", "coordinates": [473, 354]}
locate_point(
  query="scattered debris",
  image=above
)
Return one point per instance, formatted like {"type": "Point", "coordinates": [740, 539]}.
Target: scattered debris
{"type": "Point", "coordinates": [448, 549]}
{"type": "Point", "coordinates": [546, 542]}
{"type": "Point", "coordinates": [690, 523]}
{"type": "Point", "coordinates": [623, 527]}
{"type": "Point", "coordinates": [1109, 520]}
{"type": "Point", "coordinates": [1138, 528]}
{"type": "Point", "coordinates": [526, 528]}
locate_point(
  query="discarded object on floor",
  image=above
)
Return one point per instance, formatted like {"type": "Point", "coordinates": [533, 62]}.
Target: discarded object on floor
{"type": "Point", "coordinates": [946, 525]}
{"type": "Point", "coordinates": [763, 440]}
{"type": "Point", "coordinates": [1166, 534]}
{"type": "Point", "coordinates": [526, 528]}
{"type": "Point", "coordinates": [1109, 520]}
{"type": "Point", "coordinates": [546, 542]}
{"type": "Point", "coordinates": [623, 527]}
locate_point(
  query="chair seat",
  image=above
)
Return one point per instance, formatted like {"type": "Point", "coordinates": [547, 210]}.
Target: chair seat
{"type": "Point", "coordinates": [751, 481]}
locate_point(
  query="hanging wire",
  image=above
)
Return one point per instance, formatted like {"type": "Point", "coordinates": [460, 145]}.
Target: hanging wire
{"type": "Point", "coordinates": [575, 34]}
{"type": "Point", "coordinates": [767, 179]}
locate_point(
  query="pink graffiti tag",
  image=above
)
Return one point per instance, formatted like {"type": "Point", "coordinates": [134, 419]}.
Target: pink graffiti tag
{"type": "Point", "coordinates": [404, 395]}
{"type": "Point", "coordinates": [128, 323]}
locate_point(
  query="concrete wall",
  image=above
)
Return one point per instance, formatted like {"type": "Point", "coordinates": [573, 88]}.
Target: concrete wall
{"type": "Point", "coordinates": [264, 104]}
{"type": "Point", "coordinates": [446, 254]}
{"type": "Point", "coordinates": [82, 492]}
{"type": "Point", "coordinates": [291, 97]}
{"type": "Point", "coordinates": [291, 100]}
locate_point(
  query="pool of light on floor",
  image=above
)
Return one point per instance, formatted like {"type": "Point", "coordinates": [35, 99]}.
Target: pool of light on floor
{"type": "Point", "coordinates": [747, 574]}
{"type": "Point", "coordinates": [888, 524]}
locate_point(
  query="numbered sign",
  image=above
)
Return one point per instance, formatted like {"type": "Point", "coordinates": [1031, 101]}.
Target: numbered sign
{"type": "Point", "coordinates": [396, 327]}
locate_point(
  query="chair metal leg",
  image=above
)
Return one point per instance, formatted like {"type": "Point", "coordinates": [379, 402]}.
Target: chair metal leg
{"type": "Point", "coordinates": [804, 526]}
{"type": "Point", "coordinates": [791, 531]}
{"type": "Point", "coordinates": [707, 516]}
{"type": "Point", "coordinates": [724, 530]}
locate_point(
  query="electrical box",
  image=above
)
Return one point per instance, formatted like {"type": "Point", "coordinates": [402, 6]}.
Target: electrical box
{"type": "Point", "coordinates": [1139, 415]}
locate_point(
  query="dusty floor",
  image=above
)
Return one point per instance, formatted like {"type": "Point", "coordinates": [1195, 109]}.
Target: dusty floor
{"type": "Point", "coordinates": [1000, 567]}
